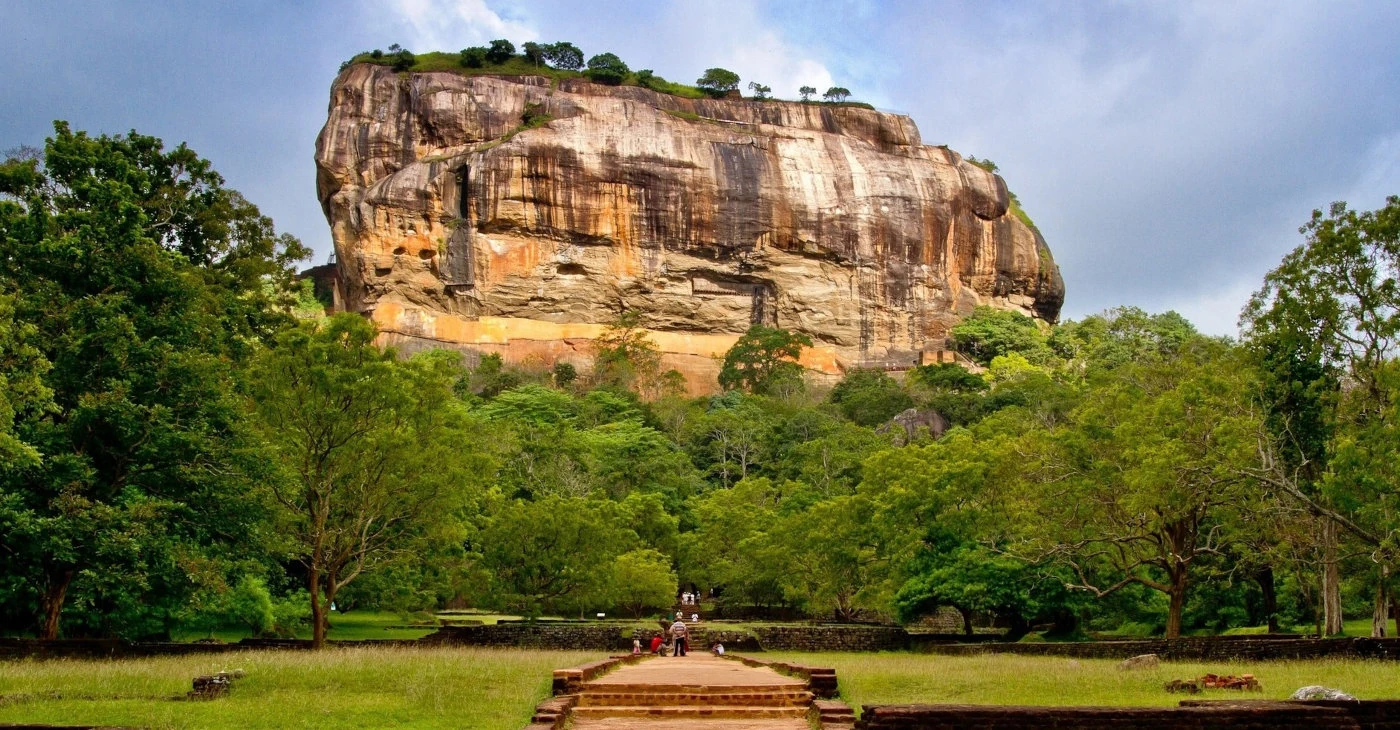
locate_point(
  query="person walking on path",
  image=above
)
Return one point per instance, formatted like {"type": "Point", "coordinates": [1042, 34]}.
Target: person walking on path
{"type": "Point", "coordinates": [680, 635]}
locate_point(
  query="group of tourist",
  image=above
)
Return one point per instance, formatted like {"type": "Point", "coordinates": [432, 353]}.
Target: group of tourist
{"type": "Point", "coordinates": [679, 642]}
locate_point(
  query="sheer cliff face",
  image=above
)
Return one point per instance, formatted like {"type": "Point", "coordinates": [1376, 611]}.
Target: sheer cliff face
{"type": "Point", "coordinates": [453, 224]}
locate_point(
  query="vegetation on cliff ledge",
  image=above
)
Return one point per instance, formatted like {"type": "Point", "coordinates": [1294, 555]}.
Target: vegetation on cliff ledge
{"type": "Point", "coordinates": [564, 60]}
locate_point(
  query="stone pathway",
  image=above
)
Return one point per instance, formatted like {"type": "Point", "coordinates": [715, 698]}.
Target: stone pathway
{"type": "Point", "coordinates": [699, 692]}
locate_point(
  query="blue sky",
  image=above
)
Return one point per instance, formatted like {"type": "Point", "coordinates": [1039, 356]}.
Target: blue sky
{"type": "Point", "coordinates": [1168, 150]}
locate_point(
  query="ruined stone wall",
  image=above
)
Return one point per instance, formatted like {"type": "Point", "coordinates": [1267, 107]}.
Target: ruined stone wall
{"type": "Point", "coordinates": [1192, 648]}
{"type": "Point", "coordinates": [1254, 715]}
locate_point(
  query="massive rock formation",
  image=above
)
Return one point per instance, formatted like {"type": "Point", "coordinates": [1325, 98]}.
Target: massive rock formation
{"type": "Point", "coordinates": [457, 223]}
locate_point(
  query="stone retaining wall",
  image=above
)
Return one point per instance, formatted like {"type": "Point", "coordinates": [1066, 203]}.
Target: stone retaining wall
{"type": "Point", "coordinates": [604, 637]}
{"type": "Point", "coordinates": [1192, 648]}
{"type": "Point", "coordinates": [1254, 715]}
{"type": "Point", "coordinates": [586, 637]}
{"type": "Point", "coordinates": [616, 638]}
{"type": "Point", "coordinates": [832, 638]}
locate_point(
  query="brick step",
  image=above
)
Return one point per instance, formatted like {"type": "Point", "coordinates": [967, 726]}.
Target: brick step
{"type": "Point", "coordinates": [691, 712]}
{"type": "Point", "coordinates": [780, 688]}
{"type": "Point", "coordinates": [765, 698]}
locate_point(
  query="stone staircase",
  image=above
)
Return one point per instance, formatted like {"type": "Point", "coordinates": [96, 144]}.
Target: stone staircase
{"type": "Point", "coordinates": [699, 692]}
{"type": "Point", "coordinates": [747, 702]}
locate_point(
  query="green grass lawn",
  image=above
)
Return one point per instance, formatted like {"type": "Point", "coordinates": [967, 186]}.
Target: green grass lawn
{"type": "Point", "coordinates": [898, 678]}
{"type": "Point", "coordinates": [483, 689]}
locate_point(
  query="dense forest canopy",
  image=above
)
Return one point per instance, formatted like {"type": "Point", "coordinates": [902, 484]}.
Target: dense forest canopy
{"type": "Point", "coordinates": [187, 441]}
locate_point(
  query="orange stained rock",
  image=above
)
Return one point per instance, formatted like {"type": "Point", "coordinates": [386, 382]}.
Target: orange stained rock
{"type": "Point", "coordinates": [699, 351]}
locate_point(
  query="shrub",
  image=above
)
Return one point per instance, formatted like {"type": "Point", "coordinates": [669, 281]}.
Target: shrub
{"type": "Point", "coordinates": [564, 374]}
{"type": "Point", "coordinates": [607, 68]}
{"type": "Point", "coordinates": [563, 55]}
{"type": "Point", "coordinates": [291, 613]}
{"type": "Point", "coordinates": [534, 116]}
{"type": "Point", "coordinates": [869, 397]}
{"type": "Point", "coordinates": [500, 51]}
{"type": "Point", "coordinates": [250, 605]}
{"type": "Point", "coordinates": [473, 57]}
{"type": "Point", "coordinates": [718, 81]}
{"type": "Point", "coordinates": [837, 94]}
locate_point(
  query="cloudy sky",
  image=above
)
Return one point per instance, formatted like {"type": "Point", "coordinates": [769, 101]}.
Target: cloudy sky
{"type": "Point", "coordinates": [1167, 150]}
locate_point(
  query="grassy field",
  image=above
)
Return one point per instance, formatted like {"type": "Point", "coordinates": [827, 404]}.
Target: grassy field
{"type": "Point", "coordinates": [895, 678]}
{"type": "Point", "coordinates": [485, 689]}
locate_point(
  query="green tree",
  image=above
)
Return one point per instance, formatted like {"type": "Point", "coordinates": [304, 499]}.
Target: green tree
{"type": "Point", "coordinates": [828, 557]}
{"type": "Point", "coordinates": [564, 55]}
{"type": "Point", "coordinates": [869, 397]}
{"type": "Point", "coordinates": [607, 68]}
{"type": "Point", "coordinates": [759, 90]}
{"type": "Point", "coordinates": [370, 450]}
{"type": "Point", "coordinates": [951, 390]}
{"type": "Point", "coordinates": [473, 57]}
{"type": "Point", "coordinates": [732, 438]}
{"type": "Point", "coordinates": [133, 284]}
{"type": "Point", "coordinates": [534, 52]}
{"type": "Point", "coordinates": [721, 550]}
{"type": "Point", "coordinates": [1330, 314]}
{"type": "Point", "coordinates": [989, 332]}
{"type": "Point", "coordinates": [1117, 337]}
{"type": "Point", "coordinates": [563, 374]}
{"type": "Point", "coordinates": [500, 51]}
{"type": "Point", "coordinates": [553, 554]}
{"type": "Point", "coordinates": [490, 377]}
{"type": "Point", "coordinates": [764, 360]}
{"type": "Point", "coordinates": [946, 523]}
{"type": "Point", "coordinates": [403, 59]}
{"type": "Point", "coordinates": [643, 579]}
{"type": "Point", "coordinates": [1145, 478]}
{"type": "Point", "coordinates": [23, 394]}
{"type": "Point", "coordinates": [718, 81]}
{"type": "Point", "coordinates": [806, 92]}
{"type": "Point", "coordinates": [837, 94]}
{"type": "Point", "coordinates": [624, 355]}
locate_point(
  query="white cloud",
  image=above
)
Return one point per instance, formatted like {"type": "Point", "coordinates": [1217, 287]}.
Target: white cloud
{"type": "Point", "coordinates": [1381, 176]}
{"type": "Point", "coordinates": [734, 34]}
{"type": "Point", "coordinates": [448, 25]}
{"type": "Point", "coordinates": [1216, 311]}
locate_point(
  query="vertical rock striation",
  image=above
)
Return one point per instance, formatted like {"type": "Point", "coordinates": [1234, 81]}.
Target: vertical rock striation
{"type": "Point", "coordinates": [455, 223]}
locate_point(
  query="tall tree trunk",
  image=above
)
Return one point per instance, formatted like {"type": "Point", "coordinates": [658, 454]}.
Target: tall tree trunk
{"type": "Point", "coordinates": [1395, 612]}
{"type": "Point", "coordinates": [51, 603]}
{"type": "Point", "coordinates": [1265, 577]}
{"type": "Point", "coordinates": [1381, 611]}
{"type": "Point", "coordinates": [967, 620]}
{"type": "Point", "coordinates": [1331, 581]}
{"type": "Point", "coordinates": [318, 609]}
{"type": "Point", "coordinates": [1176, 601]}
